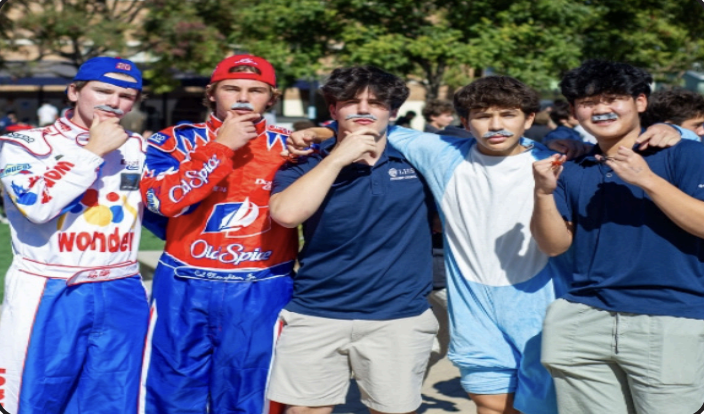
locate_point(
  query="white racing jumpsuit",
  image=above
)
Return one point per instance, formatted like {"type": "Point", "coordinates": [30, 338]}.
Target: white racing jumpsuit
{"type": "Point", "coordinates": [75, 312]}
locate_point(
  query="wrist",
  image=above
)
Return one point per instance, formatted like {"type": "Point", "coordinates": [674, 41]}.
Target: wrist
{"type": "Point", "coordinates": [100, 152]}
{"type": "Point", "coordinates": [334, 162]}
{"type": "Point", "coordinates": [650, 183]}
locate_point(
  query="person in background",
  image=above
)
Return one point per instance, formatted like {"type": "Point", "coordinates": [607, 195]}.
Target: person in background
{"type": "Point", "coordinates": [561, 115]}
{"type": "Point", "coordinates": [405, 120]}
{"type": "Point", "coordinates": [438, 114]}
{"type": "Point", "coordinates": [47, 114]}
{"type": "Point", "coordinates": [678, 106]}
{"type": "Point", "coordinates": [540, 127]}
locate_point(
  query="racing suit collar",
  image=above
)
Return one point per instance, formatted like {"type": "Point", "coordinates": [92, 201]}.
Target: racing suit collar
{"type": "Point", "coordinates": [70, 130]}
{"type": "Point", "coordinates": [214, 124]}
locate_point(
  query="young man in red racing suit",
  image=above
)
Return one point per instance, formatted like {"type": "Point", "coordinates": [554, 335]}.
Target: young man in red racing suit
{"type": "Point", "coordinates": [226, 269]}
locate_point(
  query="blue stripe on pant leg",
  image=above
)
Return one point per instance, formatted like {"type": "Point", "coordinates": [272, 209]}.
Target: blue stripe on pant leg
{"type": "Point", "coordinates": [243, 355]}
{"type": "Point", "coordinates": [57, 347]}
{"type": "Point", "coordinates": [179, 370]}
{"type": "Point", "coordinates": [111, 374]}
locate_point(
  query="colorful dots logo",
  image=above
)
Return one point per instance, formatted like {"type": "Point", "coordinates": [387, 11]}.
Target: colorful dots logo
{"type": "Point", "coordinates": [101, 212]}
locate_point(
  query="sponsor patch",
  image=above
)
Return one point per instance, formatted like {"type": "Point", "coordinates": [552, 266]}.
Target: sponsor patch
{"type": "Point", "coordinates": [158, 138]}
{"type": "Point", "coordinates": [238, 219]}
{"type": "Point", "coordinates": [129, 181]}
{"type": "Point", "coordinates": [130, 165]}
{"type": "Point", "coordinates": [22, 137]}
{"type": "Point", "coordinates": [14, 169]}
{"type": "Point", "coordinates": [153, 202]}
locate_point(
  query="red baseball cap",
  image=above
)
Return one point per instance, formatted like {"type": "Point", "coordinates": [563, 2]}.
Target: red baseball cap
{"type": "Point", "coordinates": [222, 70]}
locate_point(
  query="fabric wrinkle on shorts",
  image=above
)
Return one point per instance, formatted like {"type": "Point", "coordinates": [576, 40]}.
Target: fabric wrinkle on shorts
{"type": "Point", "coordinates": [315, 358]}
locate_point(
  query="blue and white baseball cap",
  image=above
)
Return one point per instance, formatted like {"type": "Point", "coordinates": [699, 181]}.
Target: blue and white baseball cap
{"type": "Point", "coordinates": [95, 69]}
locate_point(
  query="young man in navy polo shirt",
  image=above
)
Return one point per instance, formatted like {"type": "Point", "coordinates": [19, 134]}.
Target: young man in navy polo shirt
{"type": "Point", "coordinates": [359, 301]}
{"type": "Point", "coordinates": [629, 335]}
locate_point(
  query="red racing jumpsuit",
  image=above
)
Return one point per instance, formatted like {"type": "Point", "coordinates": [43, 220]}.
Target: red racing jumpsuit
{"type": "Point", "coordinates": [225, 273]}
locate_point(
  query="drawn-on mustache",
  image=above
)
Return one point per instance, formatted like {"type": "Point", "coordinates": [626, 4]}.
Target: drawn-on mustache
{"type": "Point", "coordinates": [106, 108]}
{"type": "Point", "coordinates": [361, 116]}
{"type": "Point", "coordinates": [242, 105]}
{"type": "Point", "coordinates": [604, 117]}
{"type": "Point", "coordinates": [503, 133]}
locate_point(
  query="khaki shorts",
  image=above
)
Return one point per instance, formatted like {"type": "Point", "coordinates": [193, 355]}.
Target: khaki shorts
{"type": "Point", "coordinates": [623, 363]}
{"type": "Point", "coordinates": [315, 358]}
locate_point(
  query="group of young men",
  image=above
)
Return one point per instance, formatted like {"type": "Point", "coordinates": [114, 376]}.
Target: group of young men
{"type": "Point", "coordinates": [616, 233]}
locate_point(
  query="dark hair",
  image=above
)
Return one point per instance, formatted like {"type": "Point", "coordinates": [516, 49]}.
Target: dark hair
{"type": "Point", "coordinates": [411, 113]}
{"type": "Point", "coordinates": [346, 83]}
{"type": "Point", "coordinates": [560, 111]}
{"type": "Point", "coordinates": [676, 106]}
{"type": "Point", "coordinates": [211, 88]}
{"type": "Point", "coordinates": [498, 91]}
{"type": "Point", "coordinates": [598, 77]}
{"type": "Point", "coordinates": [437, 107]}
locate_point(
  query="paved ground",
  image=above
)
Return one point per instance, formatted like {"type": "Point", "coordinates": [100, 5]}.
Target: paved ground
{"type": "Point", "coordinates": [442, 392]}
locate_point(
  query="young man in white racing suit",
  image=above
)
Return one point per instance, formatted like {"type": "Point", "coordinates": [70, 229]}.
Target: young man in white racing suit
{"type": "Point", "coordinates": [75, 312]}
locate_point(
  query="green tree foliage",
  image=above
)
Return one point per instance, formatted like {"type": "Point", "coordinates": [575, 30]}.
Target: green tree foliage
{"type": "Point", "coordinates": [664, 37]}
{"type": "Point", "coordinates": [75, 30]}
{"type": "Point", "coordinates": [185, 36]}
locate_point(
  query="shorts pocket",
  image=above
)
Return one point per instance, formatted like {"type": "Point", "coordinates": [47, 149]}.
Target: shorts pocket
{"type": "Point", "coordinates": [680, 358]}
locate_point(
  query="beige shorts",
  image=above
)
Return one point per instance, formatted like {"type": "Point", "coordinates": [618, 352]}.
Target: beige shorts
{"type": "Point", "coordinates": [315, 358]}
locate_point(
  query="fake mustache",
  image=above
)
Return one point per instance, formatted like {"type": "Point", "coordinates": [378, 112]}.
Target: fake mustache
{"type": "Point", "coordinates": [604, 117]}
{"type": "Point", "coordinates": [361, 116]}
{"type": "Point", "coordinates": [116, 111]}
{"type": "Point", "coordinates": [503, 133]}
{"type": "Point", "coordinates": [242, 105]}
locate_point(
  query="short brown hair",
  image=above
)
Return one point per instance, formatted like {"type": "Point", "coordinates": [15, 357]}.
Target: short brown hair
{"type": "Point", "coordinates": [496, 91]}
{"type": "Point", "coordinates": [211, 88]}
{"type": "Point", "coordinates": [437, 107]}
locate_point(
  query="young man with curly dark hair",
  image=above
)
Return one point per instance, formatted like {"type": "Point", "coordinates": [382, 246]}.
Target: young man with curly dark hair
{"type": "Point", "coordinates": [628, 337]}
{"type": "Point", "coordinates": [359, 298]}
{"type": "Point", "coordinates": [678, 106]}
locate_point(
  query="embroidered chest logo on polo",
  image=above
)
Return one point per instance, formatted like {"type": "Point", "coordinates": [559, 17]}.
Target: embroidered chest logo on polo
{"type": "Point", "coordinates": [402, 174]}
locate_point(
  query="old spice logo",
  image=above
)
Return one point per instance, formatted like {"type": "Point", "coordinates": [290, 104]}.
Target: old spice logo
{"type": "Point", "coordinates": [196, 178]}
{"type": "Point", "coordinates": [123, 66]}
{"type": "Point", "coordinates": [230, 254]}
{"type": "Point", "coordinates": [96, 241]}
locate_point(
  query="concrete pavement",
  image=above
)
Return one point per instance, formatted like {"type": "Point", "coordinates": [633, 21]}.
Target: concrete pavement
{"type": "Point", "coordinates": [442, 392]}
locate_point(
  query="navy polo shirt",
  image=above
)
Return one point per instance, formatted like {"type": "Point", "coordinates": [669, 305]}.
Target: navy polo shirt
{"type": "Point", "coordinates": [367, 251]}
{"type": "Point", "coordinates": [628, 255]}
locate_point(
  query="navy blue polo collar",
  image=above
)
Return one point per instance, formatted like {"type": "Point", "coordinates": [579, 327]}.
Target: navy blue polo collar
{"type": "Point", "coordinates": [596, 150]}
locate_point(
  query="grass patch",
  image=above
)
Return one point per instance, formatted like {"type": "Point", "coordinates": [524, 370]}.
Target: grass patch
{"type": "Point", "coordinates": [5, 255]}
